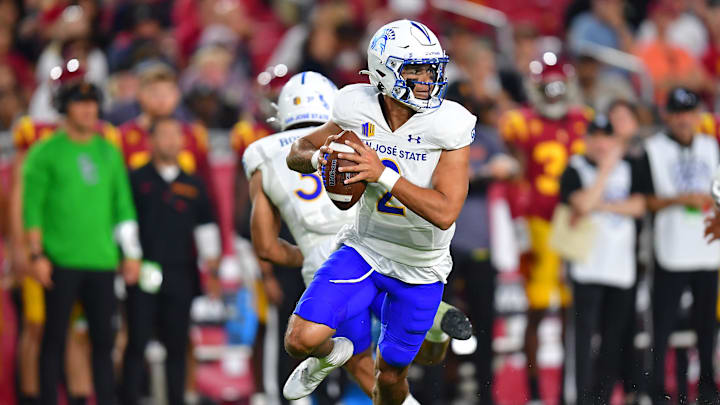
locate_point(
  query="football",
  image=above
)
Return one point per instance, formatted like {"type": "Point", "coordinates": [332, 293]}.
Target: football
{"type": "Point", "coordinates": [342, 195]}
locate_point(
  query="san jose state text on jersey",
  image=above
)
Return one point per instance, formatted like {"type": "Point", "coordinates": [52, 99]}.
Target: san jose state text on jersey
{"type": "Point", "coordinates": [395, 151]}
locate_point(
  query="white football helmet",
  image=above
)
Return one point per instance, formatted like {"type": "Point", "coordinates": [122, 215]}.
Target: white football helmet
{"type": "Point", "coordinates": [306, 97]}
{"type": "Point", "coordinates": [401, 43]}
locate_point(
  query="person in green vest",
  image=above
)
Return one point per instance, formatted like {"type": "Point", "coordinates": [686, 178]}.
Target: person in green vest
{"type": "Point", "coordinates": [77, 209]}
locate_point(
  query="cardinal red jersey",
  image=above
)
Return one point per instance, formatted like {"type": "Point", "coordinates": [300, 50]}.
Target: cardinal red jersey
{"type": "Point", "coordinates": [545, 145]}
{"type": "Point", "coordinates": [243, 134]}
{"type": "Point", "coordinates": [28, 131]}
{"type": "Point", "coordinates": [193, 159]}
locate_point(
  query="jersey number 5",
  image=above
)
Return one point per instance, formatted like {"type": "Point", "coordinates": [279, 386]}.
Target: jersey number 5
{"type": "Point", "coordinates": [383, 204]}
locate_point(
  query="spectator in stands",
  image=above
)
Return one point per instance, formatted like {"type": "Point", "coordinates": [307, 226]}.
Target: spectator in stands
{"type": "Point", "coordinates": [74, 39]}
{"type": "Point", "coordinates": [489, 162]}
{"type": "Point", "coordinates": [685, 28]}
{"type": "Point", "coordinates": [604, 25]}
{"type": "Point", "coordinates": [173, 211]}
{"type": "Point", "coordinates": [76, 198]}
{"type": "Point", "coordinates": [669, 65]}
{"type": "Point", "coordinates": [212, 89]}
{"type": "Point", "coordinates": [677, 170]}
{"type": "Point", "coordinates": [11, 103]}
{"type": "Point", "coordinates": [145, 39]}
{"type": "Point", "coordinates": [20, 66]}
{"type": "Point", "coordinates": [602, 187]}
{"type": "Point", "coordinates": [598, 86]}
{"type": "Point", "coordinates": [480, 79]}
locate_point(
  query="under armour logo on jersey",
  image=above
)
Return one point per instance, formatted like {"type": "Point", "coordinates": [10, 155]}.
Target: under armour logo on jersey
{"type": "Point", "coordinates": [411, 138]}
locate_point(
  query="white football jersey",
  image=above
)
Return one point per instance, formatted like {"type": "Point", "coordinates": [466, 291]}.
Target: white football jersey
{"type": "Point", "coordinates": [313, 220]}
{"type": "Point", "coordinates": [391, 238]}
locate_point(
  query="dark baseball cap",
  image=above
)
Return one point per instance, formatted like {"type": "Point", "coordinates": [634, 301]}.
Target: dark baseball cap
{"type": "Point", "coordinates": [600, 125]}
{"type": "Point", "coordinates": [681, 99]}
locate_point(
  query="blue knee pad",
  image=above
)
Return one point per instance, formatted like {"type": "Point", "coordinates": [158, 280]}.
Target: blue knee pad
{"type": "Point", "coordinates": [407, 314]}
{"type": "Point", "coordinates": [358, 330]}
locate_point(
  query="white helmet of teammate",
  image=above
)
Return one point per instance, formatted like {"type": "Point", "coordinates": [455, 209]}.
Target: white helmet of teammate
{"type": "Point", "coordinates": [306, 97]}
{"type": "Point", "coordinates": [397, 45]}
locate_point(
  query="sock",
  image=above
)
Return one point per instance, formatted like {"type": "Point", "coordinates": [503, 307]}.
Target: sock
{"type": "Point", "coordinates": [338, 356]}
{"type": "Point", "coordinates": [410, 400]}
{"type": "Point", "coordinates": [435, 334]}
{"type": "Point", "coordinates": [534, 387]}
{"type": "Point", "coordinates": [77, 401]}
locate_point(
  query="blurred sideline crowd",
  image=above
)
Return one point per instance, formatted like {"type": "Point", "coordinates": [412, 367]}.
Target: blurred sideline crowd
{"type": "Point", "coordinates": [580, 255]}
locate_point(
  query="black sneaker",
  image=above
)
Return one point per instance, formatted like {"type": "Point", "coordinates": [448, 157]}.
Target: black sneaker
{"type": "Point", "coordinates": [456, 324]}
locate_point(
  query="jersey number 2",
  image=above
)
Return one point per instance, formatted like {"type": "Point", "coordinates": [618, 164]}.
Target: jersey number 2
{"type": "Point", "coordinates": [383, 204]}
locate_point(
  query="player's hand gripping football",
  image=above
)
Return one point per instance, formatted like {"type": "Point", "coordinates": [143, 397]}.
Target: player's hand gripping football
{"type": "Point", "coordinates": [325, 149]}
{"type": "Point", "coordinates": [368, 167]}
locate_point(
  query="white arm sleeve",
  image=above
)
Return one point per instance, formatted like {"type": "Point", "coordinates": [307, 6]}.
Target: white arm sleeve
{"type": "Point", "coordinates": [207, 241]}
{"type": "Point", "coordinates": [127, 236]}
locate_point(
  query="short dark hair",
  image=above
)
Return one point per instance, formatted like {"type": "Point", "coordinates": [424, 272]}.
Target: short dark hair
{"type": "Point", "coordinates": [621, 102]}
{"type": "Point", "coordinates": [160, 120]}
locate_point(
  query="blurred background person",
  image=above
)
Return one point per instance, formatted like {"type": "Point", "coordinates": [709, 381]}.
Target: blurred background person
{"type": "Point", "coordinates": [602, 187]}
{"type": "Point", "coordinates": [27, 132]}
{"type": "Point", "coordinates": [72, 38]}
{"type": "Point", "coordinates": [677, 170]}
{"type": "Point", "coordinates": [71, 236]}
{"type": "Point", "coordinates": [543, 137]}
{"type": "Point", "coordinates": [604, 24]}
{"type": "Point", "coordinates": [668, 64]}
{"type": "Point", "coordinates": [174, 217]}
{"type": "Point", "coordinates": [159, 96]}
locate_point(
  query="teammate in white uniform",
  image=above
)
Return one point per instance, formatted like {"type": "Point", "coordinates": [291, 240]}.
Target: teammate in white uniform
{"type": "Point", "coordinates": [415, 161]}
{"type": "Point", "coordinates": [313, 220]}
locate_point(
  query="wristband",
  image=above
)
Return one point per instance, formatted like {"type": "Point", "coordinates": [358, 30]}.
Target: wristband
{"type": "Point", "coordinates": [315, 159]}
{"type": "Point", "coordinates": [388, 178]}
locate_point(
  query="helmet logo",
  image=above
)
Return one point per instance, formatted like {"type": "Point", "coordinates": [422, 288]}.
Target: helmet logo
{"type": "Point", "coordinates": [380, 40]}
{"type": "Point", "coordinates": [297, 100]}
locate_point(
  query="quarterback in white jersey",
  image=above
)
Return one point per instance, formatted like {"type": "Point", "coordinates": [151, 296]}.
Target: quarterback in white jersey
{"type": "Point", "coordinates": [414, 158]}
{"type": "Point", "coordinates": [310, 215]}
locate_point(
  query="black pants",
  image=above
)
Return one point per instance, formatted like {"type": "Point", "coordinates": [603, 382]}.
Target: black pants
{"type": "Point", "coordinates": [168, 314]}
{"type": "Point", "coordinates": [95, 290]}
{"type": "Point", "coordinates": [608, 311]}
{"type": "Point", "coordinates": [480, 282]}
{"type": "Point", "coordinates": [667, 289]}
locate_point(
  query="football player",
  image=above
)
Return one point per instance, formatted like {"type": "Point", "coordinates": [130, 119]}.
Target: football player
{"type": "Point", "coordinates": [414, 158]}
{"type": "Point", "coordinates": [299, 199]}
{"type": "Point", "coordinates": [25, 134]}
{"type": "Point", "coordinates": [543, 137]}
